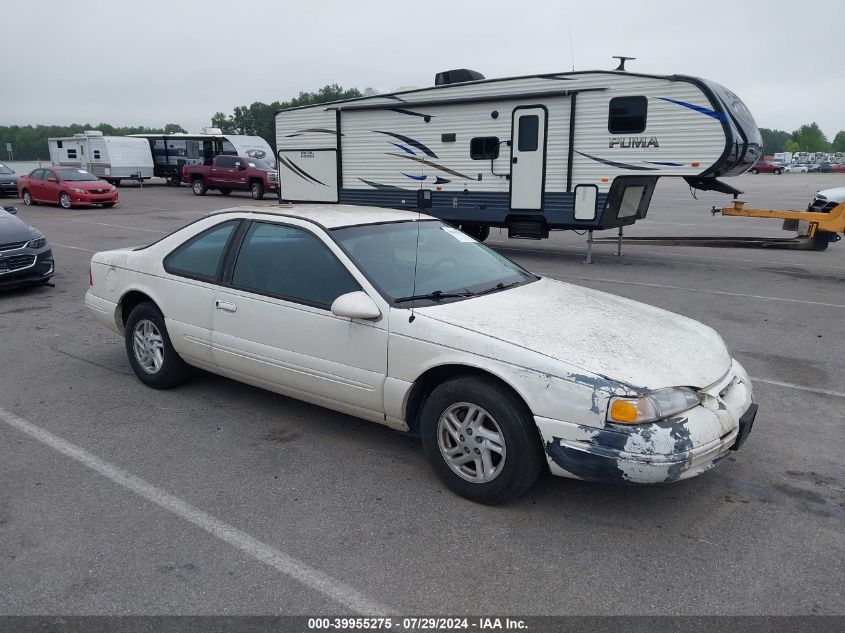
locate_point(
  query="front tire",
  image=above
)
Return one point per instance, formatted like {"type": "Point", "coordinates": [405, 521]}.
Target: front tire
{"type": "Point", "coordinates": [151, 354]}
{"type": "Point", "coordinates": [778, 172]}
{"type": "Point", "coordinates": [257, 190]}
{"type": "Point", "coordinates": [27, 198]}
{"type": "Point", "coordinates": [199, 187]}
{"type": "Point", "coordinates": [64, 200]}
{"type": "Point", "coordinates": [480, 439]}
{"type": "Point", "coordinates": [755, 172]}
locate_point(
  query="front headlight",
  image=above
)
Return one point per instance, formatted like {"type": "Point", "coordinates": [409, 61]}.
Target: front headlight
{"type": "Point", "coordinates": [38, 242]}
{"type": "Point", "coordinates": [76, 190]}
{"type": "Point", "coordinates": [112, 188]}
{"type": "Point", "coordinates": [652, 406]}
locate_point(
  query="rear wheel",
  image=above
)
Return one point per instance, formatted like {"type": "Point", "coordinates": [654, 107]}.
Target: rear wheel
{"type": "Point", "coordinates": [64, 200]}
{"type": "Point", "coordinates": [778, 172]}
{"type": "Point", "coordinates": [199, 187]}
{"type": "Point", "coordinates": [476, 231]}
{"type": "Point", "coordinates": [257, 190]}
{"type": "Point", "coordinates": [27, 198]}
{"type": "Point", "coordinates": [151, 355]}
{"type": "Point", "coordinates": [225, 191]}
{"type": "Point", "coordinates": [480, 439]}
{"type": "Point", "coordinates": [755, 172]}
{"type": "Point", "coordinates": [173, 181]}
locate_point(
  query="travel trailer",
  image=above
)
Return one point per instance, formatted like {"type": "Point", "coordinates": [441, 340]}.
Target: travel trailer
{"type": "Point", "coordinates": [171, 151]}
{"type": "Point", "coordinates": [112, 158]}
{"type": "Point", "coordinates": [572, 150]}
{"type": "Point", "coordinates": [782, 158]}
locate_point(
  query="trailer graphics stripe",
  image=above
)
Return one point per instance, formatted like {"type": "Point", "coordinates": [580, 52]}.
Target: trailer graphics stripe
{"type": "Point", "coordinates": [299, 171]}
{"type": "Point", "coordinates": [317, 130]}
{"type": "Point", "coordinates": [405, 149]}
{"type": "Point", "coordinates": [615, 164]}
{"type": "Point", "coordinates": [409, 141]}
{"type": "Point", "coordinates": [382, 187]}
{"type": "Point", "coordinates": [435, 165]}
{"type": "Point", "coordinates": [423, 177]}
{"type": "Point", "coordinates": [712, 113]}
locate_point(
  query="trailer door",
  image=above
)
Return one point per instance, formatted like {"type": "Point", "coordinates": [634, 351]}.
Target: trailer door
{"type": "Point", "coordinates": [528, 157]}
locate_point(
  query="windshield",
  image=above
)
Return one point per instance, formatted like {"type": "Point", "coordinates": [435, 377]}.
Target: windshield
{"type": "Point", "coordinates": [5, 170]}
{"type": "Point", "coordinates": [447, 262]}
{"type": "Point", "coordinates": [258, 164]}
{"type": "Point", "coordinates": [76, 175]}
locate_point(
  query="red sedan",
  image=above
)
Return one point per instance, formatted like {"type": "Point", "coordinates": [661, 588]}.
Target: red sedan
{"type": "Point", "coordinates": [66, 186]}
{"type": "Point", "coordinates": [838, 168]}
{"type": "Point", "coordinates": [766, 167]}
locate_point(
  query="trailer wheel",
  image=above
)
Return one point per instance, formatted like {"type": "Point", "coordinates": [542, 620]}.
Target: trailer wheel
{"type": "Point", "coordinates": [173, 181]}
{"type": "Point", "coordinates": [199, 187]}
{"type": "Point", "coordinates": [476, 231]}
{"type": "Point", "coordinates": [225, 191]}
{"type": "Point", "coordinates": [257, 190]}
{"type": "Point", "coordinates": [115, 182]}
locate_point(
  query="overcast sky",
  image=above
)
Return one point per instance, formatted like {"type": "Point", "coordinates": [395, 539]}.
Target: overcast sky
{"type": "Point", "coordinates": [151, 62]}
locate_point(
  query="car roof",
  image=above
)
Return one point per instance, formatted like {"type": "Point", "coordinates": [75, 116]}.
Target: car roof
{"type": "Point", "coordinates": [330, 216]}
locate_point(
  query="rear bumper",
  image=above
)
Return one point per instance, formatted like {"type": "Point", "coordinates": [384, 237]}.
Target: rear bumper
{"type": "Point", "coordinates": [667, 450]}
{"type": "Point", "coordinates": [103, 311]}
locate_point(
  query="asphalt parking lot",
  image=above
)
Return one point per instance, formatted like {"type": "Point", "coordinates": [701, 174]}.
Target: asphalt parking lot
{"type": "Point", "coordinates": [273, 506]}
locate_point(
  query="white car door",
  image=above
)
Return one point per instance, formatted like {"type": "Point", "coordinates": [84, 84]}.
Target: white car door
{"type": "Point", "coordinates": [273, 325]}
{"type": "Point", "coordinates": [188, 292]}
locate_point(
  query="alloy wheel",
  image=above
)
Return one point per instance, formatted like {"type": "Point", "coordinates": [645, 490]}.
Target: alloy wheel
{"type": "Point", "coordinates": [471, 442]}
{"type": "Point", "coordinates": [148, 345]}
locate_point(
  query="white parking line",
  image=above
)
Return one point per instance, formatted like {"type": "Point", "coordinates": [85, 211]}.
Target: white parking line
{"type": "Point", "coordinates": [278, 560]}
{"type": "Point", "coordinates": [710, 292]}
{"type": "Point", "coordinates": [790, 385]}
{"type": "Point", "coordinates": [75, 248]}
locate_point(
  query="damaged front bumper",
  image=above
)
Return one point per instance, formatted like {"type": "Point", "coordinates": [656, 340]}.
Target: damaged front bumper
{"type": "Point", "coordinates": [667, 450]}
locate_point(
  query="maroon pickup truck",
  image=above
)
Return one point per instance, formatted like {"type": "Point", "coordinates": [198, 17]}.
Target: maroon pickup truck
{"type": "Point", "coordinates": [227, 173]}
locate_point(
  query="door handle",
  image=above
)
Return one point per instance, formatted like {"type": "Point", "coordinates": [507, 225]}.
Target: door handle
{"type": "Point", "coordinates": [514, 160]}
{"type": "Point", "coordinates": [226, 306]}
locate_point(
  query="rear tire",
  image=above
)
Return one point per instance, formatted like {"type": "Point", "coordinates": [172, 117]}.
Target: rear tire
{"type": "Point", "coordinates": [257, 190]}
{"type": "Point", "coordinates": [755, 172]}
{"type": "Point", "coordinates": [225, 191]}
{"type": "Point", "coordinates": [778, 172]}
{"type": "Point", "coordinates": [64, 200]}
{"type": "Point", "coordinates": [199, 187]}
{"type": "Point", "coordinates": [480, 439]}
{"type": "Point", "coordinates": [151, 355]}
{"type": "Point", "coordinates": [476, 231]}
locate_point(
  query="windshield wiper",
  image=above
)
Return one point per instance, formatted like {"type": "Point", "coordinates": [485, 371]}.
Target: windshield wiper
{"type": "Point", "coordinates": [498, 286]}
{"type": "Point", "coordinates": [437, 295]}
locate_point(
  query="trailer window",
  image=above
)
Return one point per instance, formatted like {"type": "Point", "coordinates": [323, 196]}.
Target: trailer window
{"type": "Point", "coordinates": [193, 149]}
{"type": "Point", "coordinates": [71, 153]}
{"type": "Point", "coordinates": [484, 148]}
{"type": "Point", "coordinates": [529, 131]}
{"type": "Point", "coordinates": [96, 153]}
{"type": "Point", "coordinates": [59, 144]}
{"type": "Point", "coordinates": [627, 115]}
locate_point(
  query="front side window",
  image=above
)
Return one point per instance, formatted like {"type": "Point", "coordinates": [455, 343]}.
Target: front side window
{"type": "Point", "coordinates": [201, 257]}
{"type": "Point", "coordinates": [290, 263]}
{"type": "Point", "coordinates": [484, 148]}
{"type": "Point", "coordinates": [627, 115]}
{"type": "Point", "coordinates": [405, 259]}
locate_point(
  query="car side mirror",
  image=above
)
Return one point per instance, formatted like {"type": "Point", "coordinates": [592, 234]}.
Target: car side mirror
{"type": "Point", "coordinates": [355, 305]}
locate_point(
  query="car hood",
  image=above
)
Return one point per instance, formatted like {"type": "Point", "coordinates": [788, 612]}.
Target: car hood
{"type": "Point", "coordinates": [8, 177]}
{"type": "Point", "coordinates": [617, 338]}
{"type": "Point", "coordinates": [837, 194]}
{"type": "Point", "coordinates": [13, 229]}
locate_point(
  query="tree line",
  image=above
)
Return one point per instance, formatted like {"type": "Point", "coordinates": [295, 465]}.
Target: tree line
{"type": "Point", "coordinates": [29, 142]}
{"type": "Point", "coordinates": [807, 138]}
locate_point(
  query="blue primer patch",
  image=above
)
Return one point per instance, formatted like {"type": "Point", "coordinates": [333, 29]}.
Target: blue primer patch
{"type": "Point", "coordinates": [423, 177]}
{"type": "Point", "coordinates": [711, 113]}
{"type": "Point", "coordinates": [405, 149]}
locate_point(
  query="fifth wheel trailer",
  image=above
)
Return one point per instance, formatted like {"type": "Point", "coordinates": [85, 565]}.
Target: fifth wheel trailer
{"type": "Point", "coordinates": [579, 150]}
{"type": "Point", "coordinates": [112, 158]}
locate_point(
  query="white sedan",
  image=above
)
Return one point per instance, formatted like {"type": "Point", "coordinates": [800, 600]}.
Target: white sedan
{"type": "Point", "coordinates": [395, 317]}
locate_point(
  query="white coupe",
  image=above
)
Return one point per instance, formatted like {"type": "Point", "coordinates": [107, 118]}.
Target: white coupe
{"type": "Point", "coordinates": [396, 317]}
